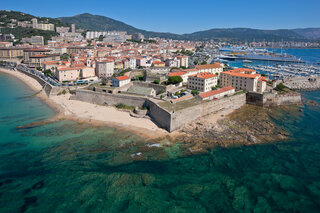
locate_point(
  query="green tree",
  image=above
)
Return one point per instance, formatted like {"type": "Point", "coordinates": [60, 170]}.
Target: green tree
{"type": "Point", "coordinates": [157, 81]}
{"type": "Point", "coordinates": [64, 57]}
{"type": "Point", "coordinates": [174, 79]}
{"type": "Point", "coordinates": [280, 87]}
{"type": "Point", "coordinates": [195, 92]}
{"type": "Point", "coordinates": [100, 38]}
{"type": "Point", "coordinates": [47, 72]}
{"type": "Point", "coordinates": [204, 62]}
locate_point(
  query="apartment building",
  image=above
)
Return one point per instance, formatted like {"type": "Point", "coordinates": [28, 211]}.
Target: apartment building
{"type": "Point", "coordinates": [215, 68]}
{"type": "Point", "coordinates": [30, 52]}
{"type": "Point", "coordinates": [182, 74]}
{"type": "Point", "coordinates": [184, 61]}
{"type": "Point", "coordinates": [104, 68]}
{"type": "Point", "coordinates": [38, 60]}
{"type": "Point", "coordinates": [65, 73]}
{"type": "Point", "coordinates": [202, 82]}
{"type": "Point", "coordinates": [243, 79]}
{"type": "Point", "coordinates": [34, 40]}
{"type": "Point", "coordinates": [140, 61]}
{"type": "Point", "coordinates": [10, 52]}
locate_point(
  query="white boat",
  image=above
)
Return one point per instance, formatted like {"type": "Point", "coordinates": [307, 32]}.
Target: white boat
{"type": "Point", "coordinates": [247, 61]}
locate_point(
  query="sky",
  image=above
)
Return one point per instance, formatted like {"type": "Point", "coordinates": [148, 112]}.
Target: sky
{"type": "Point", "coordinates": [183, 16]}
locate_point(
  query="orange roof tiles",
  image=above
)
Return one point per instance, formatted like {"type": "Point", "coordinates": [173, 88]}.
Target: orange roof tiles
{"type": "Point", "coordinates": [37, 50]}
{"type": "Point", "coordinates": [209, 66]}
{"type": "Point", "coordinates": [158, 62]}
{"type": "Point", "coordinates": [190, 70]}
{"type": "Point", "coordinates": [121, 78]}
{"type": "Point", "coordinates": [215, 92]}
{"type": "Point", "coordinates": [204, 75]}
{"type": "Point", "coordinates": [177, 73]}
{"type": "Point", "coordinates": [181, 98]}
{"type": "Point", "coordinates": [241, 74]}
{"type": "Point", "coordinates": [243, 70]}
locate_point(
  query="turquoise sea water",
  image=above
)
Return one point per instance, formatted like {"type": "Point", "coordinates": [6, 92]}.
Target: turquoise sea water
{"type": "Point", "coordinates": [70, 167]}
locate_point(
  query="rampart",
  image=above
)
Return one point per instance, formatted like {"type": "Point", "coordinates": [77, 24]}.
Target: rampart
{"type": "Point", "coordinates": [272, 99]}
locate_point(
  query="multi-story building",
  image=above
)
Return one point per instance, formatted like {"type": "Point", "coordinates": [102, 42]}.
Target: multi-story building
{"type": "Point", "coordinates": [38, 60]}
{"type": "Point", "coordinates": [73, 28]}
{"type": "Point", "coordinates": [243, 79]}
{"type": "Point", "coordinates": [184, 61]}
{"type": "Point", "coordinates": [141, 61]}
{"type": "Point", "coordinates": [215, 68]}
{"type": "Point", "coordinates": [78, 49]}
{"type": "Point", "coordinates": [158, 64]}
{"type": "Point", "coordinates": [120, 81]}
{"type": "Point", "coordinates": [132, 63]}
{"type": "Point", "coordinates": [115, 38]}
{"type": "Point", "coordinates": [104, 68]}
{"type": "Point", "coordinates": [30, 52]}
{"type": "Point", "coordinates": [68, 73]}
{"type": "Point", "coordinates": [96, 34]}
{"type": "Point", "coordinates": [182, 74]}
{"type": "Point", "coordinates": [172, 62]}
{"type": "Point", "coordinates": [62, 29]}
{"type": "Point", "coordinates": [11, 52]}
{"type": "Point", "coordinates": [137, 36]}
{"type": "Point", "coordinates": [65, 73]}
{"type": "Point", "coordinates": [202, 82]}
{"type": "Point", "coordinates": [41, 26]}
{"type": "Point", "coordinates": [34, 40]}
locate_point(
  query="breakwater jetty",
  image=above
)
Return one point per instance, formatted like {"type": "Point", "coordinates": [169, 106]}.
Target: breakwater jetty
{"type": "Point", "coordinates": [303, 83]}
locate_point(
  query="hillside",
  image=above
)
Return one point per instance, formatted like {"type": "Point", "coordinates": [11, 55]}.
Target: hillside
{"type": "Point", "coordinates": [6, 15]}
{"type": "Point", "coordinates": [102, 23]}
{"type": "Point", "coordinates": [20, 32]}
{"type": "Point", "coordinates": [311, 33]}
{"type": "Point", "coordinates": [245, 34]}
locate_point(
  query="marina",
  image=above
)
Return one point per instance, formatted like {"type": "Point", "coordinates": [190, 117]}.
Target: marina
{"type": "Point", "coordinates": [290, 70]}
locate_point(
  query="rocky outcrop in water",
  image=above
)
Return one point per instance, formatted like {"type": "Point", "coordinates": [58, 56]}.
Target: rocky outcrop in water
{"type": "Point", "coordinates": [248, 125]}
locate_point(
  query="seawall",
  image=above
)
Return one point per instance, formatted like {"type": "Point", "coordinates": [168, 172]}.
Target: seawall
{"type": "Point", "coordinates": [272, 99]}
{"type": "Point", "coordinates": [47, 88]}
{"type": "Point", "coordinates": [169, 121]}
{"type": "Point", "coordinates": [103, 98]}
{"type": "Point", "coordinates": [181, 117]}
{"type": "Point", "coordinates": [303, 83]}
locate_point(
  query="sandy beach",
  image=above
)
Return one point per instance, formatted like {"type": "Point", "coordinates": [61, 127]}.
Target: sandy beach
{"type": "Point", "coordinates": [103, 115]}
{"type": "Point", "coordinates": [91, 113]}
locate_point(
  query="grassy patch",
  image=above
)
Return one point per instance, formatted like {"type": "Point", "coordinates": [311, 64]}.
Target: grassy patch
{"type": "Point", "coordinates": [123, 106]}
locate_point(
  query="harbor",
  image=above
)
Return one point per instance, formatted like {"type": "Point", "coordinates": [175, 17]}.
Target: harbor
{"type": "Point", "coordinates": [281, 71]}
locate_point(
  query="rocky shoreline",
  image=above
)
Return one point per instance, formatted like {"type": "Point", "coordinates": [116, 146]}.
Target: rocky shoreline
{"type": "Point", "coordinates": [246, 126]}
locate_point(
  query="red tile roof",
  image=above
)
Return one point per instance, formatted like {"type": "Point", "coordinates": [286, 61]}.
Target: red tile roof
{"type": "Point", "coordinates": [241, 74]}
{"type": "Point", "coordinates": [215, 92]}
{"type": "Point", "coordinates": [121, 78]}
{"type": "Point", "coordinates": [209, 66]}
{"type": "Point", "coordinates": [204, 75]}
{"type": "Point", "coordinates": [37, 50]}
{"type": "Point", "coordinates": [158, 62]}
{"type": "Point", "coordinates": [181, 99]}
{"type": "Point", "coordinates": [177, 73]}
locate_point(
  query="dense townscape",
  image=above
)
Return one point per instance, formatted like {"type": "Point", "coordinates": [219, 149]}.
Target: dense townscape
{"type": "Point", "coordinates": [174, 75]}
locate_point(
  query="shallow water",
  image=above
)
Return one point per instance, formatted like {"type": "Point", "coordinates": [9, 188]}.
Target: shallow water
{"type": "Point", "coordinates": [70, 167]}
